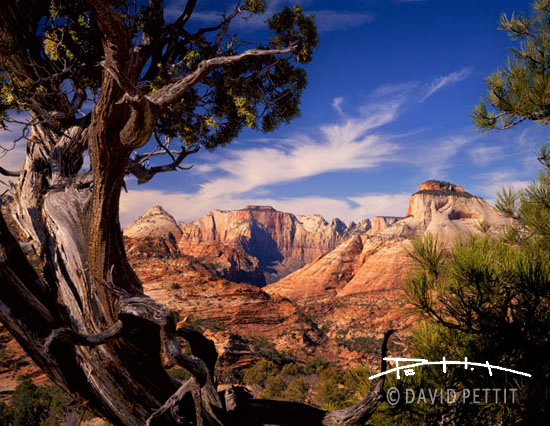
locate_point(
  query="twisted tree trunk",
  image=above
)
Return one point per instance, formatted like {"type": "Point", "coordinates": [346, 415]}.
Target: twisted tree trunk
{"type": "Point", "coordinates": [84, 318]}
{"type": "Point", "coordinates": [74, 228]}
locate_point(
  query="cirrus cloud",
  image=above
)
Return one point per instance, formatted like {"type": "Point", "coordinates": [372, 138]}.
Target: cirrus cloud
{"type": "Point", "coordinates": [445, 80]}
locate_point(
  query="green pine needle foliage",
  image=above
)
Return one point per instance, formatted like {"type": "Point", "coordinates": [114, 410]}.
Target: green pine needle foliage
{"type": "Point", "coordinates": [487, 299]}
{"type": "Point", "coordinates": [521, 90]}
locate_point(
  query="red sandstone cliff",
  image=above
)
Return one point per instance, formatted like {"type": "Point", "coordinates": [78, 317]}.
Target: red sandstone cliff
{"type": "Point", "coordinates": [379, 223]}
{"type": "Point", "coordinates": [257, 244]}
{"type": "Point", "coordinates": [282, 242]}
{"type": "Point", "coordinates": [360, 282]}
{"type": "Point", "coordinates": [349, 292]}
{"type": "Point", "coordinates": [378, 260]}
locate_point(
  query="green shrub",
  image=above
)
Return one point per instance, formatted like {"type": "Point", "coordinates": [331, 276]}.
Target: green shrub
{"type": "Point", "coordinates": [29, 405]}
{"type": "Point", "coordinates": [275, 387]}
{"type": "Point", "coordinates": [330, 393]}
{"type": "Point", "coordinates": [315, 366]}
{"type": "Point", "coordinates": [260, 372]}
{"type": "Point", "coordinates": [292, 369]}
{"type": "Point", "coordinates": [32, 405]}
{"type": "Point", "coordinates": [297, 390]}
{"type": "Point", "coordinates": [6, 414]}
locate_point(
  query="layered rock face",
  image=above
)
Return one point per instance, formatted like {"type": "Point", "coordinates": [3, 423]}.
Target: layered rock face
{"type": "Point", "coordinates": [232, 314]}
{"type": "Point", "coordinates": [447, 210]}
{"type": "Point", "coordinates": [362, 264]}
{"type": "Point", "coordinates": [379, 223]}
{"type": "Point", "coordinates": [223, 244]}
{"type": "Point", "coordinates": [282, 242]}
{"type": "Point", "coordinates": [154, 232]}
{"type": "Point", "coordinates": [378, 258]}
{"type": "Point", "coordinates": [157, 234]}
{"type": "Point", "coordinates": [257, 244]}
{"type": "Point", "coordinates": [360, 282]}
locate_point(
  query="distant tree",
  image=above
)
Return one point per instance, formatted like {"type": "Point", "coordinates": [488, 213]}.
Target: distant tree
{"type": "Point", "coordinates": [30, 408]}
{"type": "Point", "coordinates": [275, 387]}
{"type": "Point", "coordinates": [33, 405]}
{"type": "Point", "coordinates": [297, 390]}
{"type": "Point", "coordinates": [113, 79]}
{"type": "Point", "coordinates": [260, 372]}
{"type": "Point", "coordinates": [330, 392]}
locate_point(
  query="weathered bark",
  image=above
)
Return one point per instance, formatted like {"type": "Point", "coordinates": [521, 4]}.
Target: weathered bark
{"type": "Point", "coordinates": [84, 318]}
{"type": "Point", "coordinates": [118, 370]}
{"type": "Point", "coordinates": [86, 321]}
{"type": "Point", "coordinates": [111, 376]}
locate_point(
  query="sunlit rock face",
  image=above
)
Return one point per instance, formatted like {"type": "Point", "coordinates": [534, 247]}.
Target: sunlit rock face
{"type": "Point", "coordinates": [379, 223]}
{"type": "Point", "coordinates": [446, 209]}
{"type": "Point", "coordinates": [256, 244]}
{"type": "Point", "coordinates": [331, 280]}
{"type": "Point", "coordinates": [154, 233]}
{"type": "Point", "coordinates": [335, 284]}
{"type": "Point", "coordinates": [378, 258]}
{"type": "Point", "coordinates": [281, 242]}
{"type": "Point", "coordinates": [361, 280]}
{"type": "Point", "coordinates": [156, 223]}
{"type": "Point", "coordinates": [157, 234]}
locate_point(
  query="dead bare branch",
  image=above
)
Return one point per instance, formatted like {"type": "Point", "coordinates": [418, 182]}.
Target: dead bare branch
{"type": "Point", "coordinates": [144, 174]}
{"type": "Point", "coordinates": [186, 15]}
{"type": "Point", "coordinates": [71, 336]}
{"type": "Point", "coordinates": [8, 172]}
{"type": "Point", "coordinates": [201, 347]}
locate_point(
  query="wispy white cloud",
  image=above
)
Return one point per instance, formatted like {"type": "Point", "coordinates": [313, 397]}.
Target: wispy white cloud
{"type": "Point", "coordinates": [348, 144]}
{"type": "Point", "coordinates": [248, 176]}
{"type": "Point", "coordinates": [325, 19]}
{"type": "Point", "coordinates": [337, 105]}
{"type": "Point", "coordinates": [483, 155]}
{"type": "Point", "coordinates": [445, 80]}
{"type": "Point", "coordinates": [526, 146]}
{"type": "Point", "coordinates": [204, 168]}
{"type": "Point", "coordinates": [342, 146]}
{"type": "Point", "coordinates": [493, 182]}
{"type": "Point", "coordinates": [399, 89]}
{"type": "Point", "coordinates": [174, 9]}
{"type": "Point", "coordinates": [370, 205]}
{"type": "Point", "coordinates": [330, 20]}
{"type": "Point", "coordinates": [434, 159]}
{"type": "Point", "coordinates": [528, 139]}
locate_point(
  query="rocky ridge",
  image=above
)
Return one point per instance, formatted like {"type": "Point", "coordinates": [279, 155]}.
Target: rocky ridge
{"type": "Point", "coordinates": [360, 282]}
{"type": "Point", "coordinates": [282, 242]}
{"type": "Point", "coordinates": [352, 291]}
{"type": "Point", "coordinates": [378, 258]}
{"type": "Point", "coordinates": [257, 244]}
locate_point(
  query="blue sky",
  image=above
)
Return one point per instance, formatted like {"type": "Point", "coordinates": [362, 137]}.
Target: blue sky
{"type": "Point", "coordinates": [387, 107]}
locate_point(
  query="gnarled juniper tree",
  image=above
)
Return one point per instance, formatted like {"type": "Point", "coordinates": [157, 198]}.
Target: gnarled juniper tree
{"type": "Point", "coordinates": [111, 78]}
